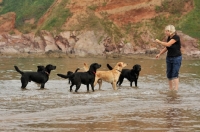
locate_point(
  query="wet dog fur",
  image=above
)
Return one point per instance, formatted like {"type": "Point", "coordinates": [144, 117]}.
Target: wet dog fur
{"type": "Point", "coordinates": [86, 68]}
{"type": "Point", "coordinates": [40, 77]}
{"type": "Point", "coordinates": [70, 73]}
{"type": "Point", "coordinates": [131, 75]}
{"type": "Point", "coordinates": [86, 78]}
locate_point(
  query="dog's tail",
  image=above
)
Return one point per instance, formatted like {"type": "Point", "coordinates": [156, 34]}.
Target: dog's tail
{"type": "Point", "coordinates": [109, 67]}
{"type": "Point", "coordinates": [64, 76]}
{"type": "Point", "coordinates": [77, 70]}
{"type": "Point", "coordinates": [17, 69]}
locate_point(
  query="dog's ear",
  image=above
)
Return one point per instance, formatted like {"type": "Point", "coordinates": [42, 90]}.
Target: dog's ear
{"type": "Point", "coordinates": [134, 67]}
{"type": "Point", "coordinates": [120, 64]}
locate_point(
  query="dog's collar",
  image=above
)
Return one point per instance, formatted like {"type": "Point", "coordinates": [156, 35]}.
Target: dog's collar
{"type": "Point", "coordinates": [47, 73]}
{"type": "Point", "coordinates": [94, 72]}
{"type": "Point", "coordinates": [118, 70]}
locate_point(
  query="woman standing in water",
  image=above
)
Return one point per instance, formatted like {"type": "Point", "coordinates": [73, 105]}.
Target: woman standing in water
{"type": "Point", "coordinates": [174, 56]}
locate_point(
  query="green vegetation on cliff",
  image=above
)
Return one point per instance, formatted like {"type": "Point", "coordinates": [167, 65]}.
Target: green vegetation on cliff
{"type": "Point", "coordinates": [190, 24]}
{"type": "Point", "coordinates": [57, 17]}
{"type": "Point", "coordinates": [26, 10]}
{"type": "Point", "coordinates": [35, 9]}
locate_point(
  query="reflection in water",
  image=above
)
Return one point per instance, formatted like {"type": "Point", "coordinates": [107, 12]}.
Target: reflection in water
{"type": "Point", "coordinates": [150, 107]}
{"type": "Point", "coordinates": [173, 118]}
{"type": "Point", "coordinates": [173, 114]}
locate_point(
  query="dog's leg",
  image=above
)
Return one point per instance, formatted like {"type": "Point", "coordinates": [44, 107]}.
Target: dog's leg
{"type": "Point", "coordinates": [100, 83]}
{"type": "Point", "coordinates": [24, 86]}
{"type": "Point", "coordinates": [136, 83]}
{"type": "Point", "coordinates": [42, 86]}
{"type": "Point", "coordinates": [71, 87]}
{"type": "Point", "coordinates": [88, 88]}
{"type": "Point", "coordinates": [114, 85]}
{"type": "Point", "coordinates": [77, 87]}
{"type": "Point", "coordinates": [92, 86]}
{"type": "Point", "coordinates": [131, 82]}
{"type": "Point", "coordinates": [95, 81]}
{"type": "Point", "coordinates": [117, 82]}
{"type": "Point", "coordinates": [24, 83]}
{"type": "Point", "coordinates": [120, 80]}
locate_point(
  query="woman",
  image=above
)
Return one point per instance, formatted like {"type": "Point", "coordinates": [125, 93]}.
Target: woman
{"type": "Point", "coordinates": [174, 56]}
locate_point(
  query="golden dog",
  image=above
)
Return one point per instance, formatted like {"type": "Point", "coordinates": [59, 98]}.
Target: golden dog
{"type": "Point", "coordinates": [110, 76]}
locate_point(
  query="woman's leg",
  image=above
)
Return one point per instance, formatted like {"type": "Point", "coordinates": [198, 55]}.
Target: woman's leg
{"type": "Point", "coordinates": [169, 72]}
{"type": "Point", "coordinates": [171, 84]}
{"type": "Point", "coordinates": [175, 72]}
{"type": "Point", "coordinates": [176, 83]}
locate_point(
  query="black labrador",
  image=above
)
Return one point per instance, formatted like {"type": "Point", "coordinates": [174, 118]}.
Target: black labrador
{"type": "Point", "coordinates": [86, 78]}
{"type": "Point", "coordinates": [130, 74]}
{"type": "Point", "coordinates": [39, 68]}
{"type": "Point", "coordinates": [70, 73]}
{"type": "Point", "coordinates": [40, 77]}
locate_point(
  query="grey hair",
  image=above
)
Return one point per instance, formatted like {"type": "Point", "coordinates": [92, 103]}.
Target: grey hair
{"type": "Point", "coordinates": [171, 29]}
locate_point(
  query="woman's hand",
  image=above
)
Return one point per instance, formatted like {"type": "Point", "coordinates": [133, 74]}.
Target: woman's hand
{"type": "Point", "coordinates": [157, 40]}
{"type": "Point", "coordinates": [158, 55]}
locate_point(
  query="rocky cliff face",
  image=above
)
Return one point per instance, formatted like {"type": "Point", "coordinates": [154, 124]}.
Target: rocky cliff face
{"type": "Point", "coordinates": [83, 43]}
{"type": "Point", "coordinates": [7, 22]}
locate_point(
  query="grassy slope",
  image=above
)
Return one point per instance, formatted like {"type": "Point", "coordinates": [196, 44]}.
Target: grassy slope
{"type": "Point", "coordinates": [190, 24]}
{"type": "Point", "coordinates": [25, 10]}
{"type": "Point", "coordinates": [57, 17]}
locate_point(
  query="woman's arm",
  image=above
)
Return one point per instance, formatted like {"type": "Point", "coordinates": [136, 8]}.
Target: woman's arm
{"type": "Point", "coordinates": [161, 52]}
{"type": "Point", "coordinates": [167, 44]}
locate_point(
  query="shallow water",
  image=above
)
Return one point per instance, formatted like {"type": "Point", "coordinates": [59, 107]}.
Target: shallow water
{"type": "Point", "coordinates": [150, 107]}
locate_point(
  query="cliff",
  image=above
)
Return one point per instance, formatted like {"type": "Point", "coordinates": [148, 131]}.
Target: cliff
{"type": "Point", "coordinates": [97, 27]}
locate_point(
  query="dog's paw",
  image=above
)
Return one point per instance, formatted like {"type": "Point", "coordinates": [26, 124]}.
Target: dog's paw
{"type": "Point", "coordinates": [43, 89]}
{"type": "Point", "coordinates": [23, 89]}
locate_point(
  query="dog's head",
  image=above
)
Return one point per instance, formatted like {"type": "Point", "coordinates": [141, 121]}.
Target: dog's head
{"type": "Point", "coordinates": [94, 67]}
{"type": "Point", "coordinates": [137, 68]}
{"type": "Point", "coordinates": [50, 67]}
{"type": "Point", "coordinates": [40, 68]}
{"type": "Point", "coordinates": [120, 65]}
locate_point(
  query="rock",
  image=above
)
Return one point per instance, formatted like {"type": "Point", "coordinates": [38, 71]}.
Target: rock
{"type": "Point", "coordinates": [85, 44]}
{"type": "Point", "coordinates": [39, 41]}
{"type": "Point", "coordinates": [49, 41]}
{"type": "Point", "coordinates": [62, 43]}
{"type": "Point", "coordinates": [9, 50]}
{"type": "Point", "coordinates": [128, 48]}
{"type": "Point", "coordinates": [88, 44]}
{"type": "Point", "coordinates": [152, 51]}
{"type": "Point", "coordinates": [189, 44]}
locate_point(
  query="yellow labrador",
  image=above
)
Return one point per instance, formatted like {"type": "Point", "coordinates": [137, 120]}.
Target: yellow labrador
{"type": "Point", "coordinates": [110, 76]}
